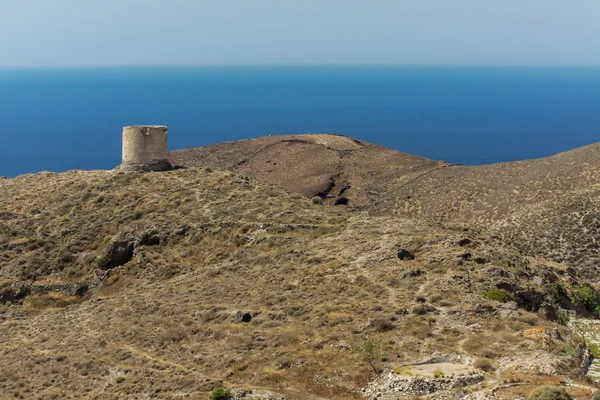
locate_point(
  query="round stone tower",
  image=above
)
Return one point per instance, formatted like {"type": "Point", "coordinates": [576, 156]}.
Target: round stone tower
{"type": "Point", "coordinates": [145, 148]}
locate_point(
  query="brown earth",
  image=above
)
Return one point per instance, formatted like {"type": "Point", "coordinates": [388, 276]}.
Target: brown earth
{"type": "Point", "coordinates": [168, 285]}
{"type": "Point", "coordinates": [330, 166]}
{"type": "Point", "coordinates": [548, 207]}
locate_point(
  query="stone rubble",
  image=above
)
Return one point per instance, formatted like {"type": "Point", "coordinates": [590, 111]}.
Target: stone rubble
{"type": "Point", "coordinates": [392, 384]}
{"type": "Point", "coordinates": [256, 395]}
{"type": "Point", "coordinates": [590, 330]}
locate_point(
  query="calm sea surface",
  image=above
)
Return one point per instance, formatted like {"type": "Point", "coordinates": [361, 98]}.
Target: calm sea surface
{"type": "Point", "coordinates": [60, 119]}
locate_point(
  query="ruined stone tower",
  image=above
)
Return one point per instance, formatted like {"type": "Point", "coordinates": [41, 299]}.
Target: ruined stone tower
{"type": "Point", "coordinates": [145, 148]}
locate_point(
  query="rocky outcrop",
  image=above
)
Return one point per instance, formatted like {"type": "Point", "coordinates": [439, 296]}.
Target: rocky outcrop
{"type": "Point", "coordinates": [17, 291]}
{"type": "Point", "coordinates": [392, 385]}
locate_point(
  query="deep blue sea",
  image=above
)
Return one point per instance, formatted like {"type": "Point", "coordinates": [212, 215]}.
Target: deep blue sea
{"type": "Point", "coordinates": [72, 118]}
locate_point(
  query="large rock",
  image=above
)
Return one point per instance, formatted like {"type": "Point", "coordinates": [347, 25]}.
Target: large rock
{"type": "Point", "coordinates": [117, 253]}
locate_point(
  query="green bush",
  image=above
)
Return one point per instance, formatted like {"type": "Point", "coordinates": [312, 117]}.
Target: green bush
{"type": "Point", "coordinates": [100, 262]}
{"type": "Point", "coordinates": [562, 318]}
{"type": "Point", "coordinates": [499, 295]}
{"type": "Point", "coordinates": [597, 396]}
{"type": "Point", "coordinates": [588, 297]}
{"type": "Point", "coordinates": [220, 394]}
{"type": "Point", "coordinates": [558, 293]}
{"type": "Point", "coordinates": [370, 351]}
{"type": "Point", "coordinates": [550, 393]}
{"type": "Point", "coordinates": [593, 349]}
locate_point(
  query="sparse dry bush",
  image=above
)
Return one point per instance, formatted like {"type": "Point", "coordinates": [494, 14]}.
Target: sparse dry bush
{"type": "Point", "coordinates": [50, 300]}
{"type": "Point", "coordinates": [484, 364]}
{"type": "Point", "coordinates": [550, 393]}
{"type": "Point", "coordinates": [369, 350]}
{"type": "Point", "coordinates": [382, 325]}
{"type": "Point", "coordinates": [315, 285]}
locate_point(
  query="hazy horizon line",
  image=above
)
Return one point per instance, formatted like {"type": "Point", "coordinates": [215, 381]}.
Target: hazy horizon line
{"type": "Point", "coordinates": [49, 66]}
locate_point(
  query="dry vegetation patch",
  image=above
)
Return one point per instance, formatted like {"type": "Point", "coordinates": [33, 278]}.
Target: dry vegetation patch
{"type": "Point", "coordinates": [198, 279]}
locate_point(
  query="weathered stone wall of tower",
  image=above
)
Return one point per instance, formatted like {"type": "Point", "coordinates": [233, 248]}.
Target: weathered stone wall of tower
{"type": "Point", "coordinates": [145, 148]}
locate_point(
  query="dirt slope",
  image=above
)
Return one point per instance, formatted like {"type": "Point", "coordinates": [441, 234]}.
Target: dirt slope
{"type": "Point", "coordinates": [546, 208]}
{"type": "Point", "coordinates": [330, 166]}
{"type": "Point", "coordinates": [168, 285]}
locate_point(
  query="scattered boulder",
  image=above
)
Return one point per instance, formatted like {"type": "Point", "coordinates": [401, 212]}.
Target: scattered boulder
{"type": "Point", "coordinates": [342, 201]}
{"type": "Point", "coordinates": [508, 310]}
{"type": "Point", "coordinates": [466, 256]}
{"type": "Point", "coordinates": [404, 255]}
{"type": "Point", "coordinates": [481, 260]}
{"type": "Point", "coordinates": [422, 309]}
{"type": "Point", "coordinates": [548, 311]}
{"type": "Point", "coordinates": [413, 273]}
{"type": "Point", "coordinates": [117, 253]}
{"type": "Point", "coordinates": [530, 299]}
{"type": "Point", "coordinates": [15, 291]}
{"type": "Point", "coordinates": [149, 238]}
{"type": "Point", "coordinates": [243, 316]}
{"type": "Point", "coordinates": [511, 305]}
{"type": "Point", "coordinates": [464, 242]}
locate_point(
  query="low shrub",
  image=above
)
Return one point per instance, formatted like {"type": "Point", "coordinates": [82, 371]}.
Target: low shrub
{"type": "Point", "coordinates": [484, 364]}
{"type": "Point", "coordinates": [550, 393]}
{"type": "Point", "coordinates": [317, 200]}
{"type": "Point", "coordinates": [562, 318]}
{"type": "Point", "coordinates": [382, 325]}
{"type": "Point", "coordinates": [594, 349]}
{"type": "Point", "coordinates": [438, 373]}
{"type": "Point", "coordinates": [558, 293]}
{"type": "Point", "coordinates": [404, 370]}
{"type": "Point", "coordinates": [499, 295]}
{"type": "Point", "coordinates": [370, 351]}
{"type": "Point", "coordinates": [588, 297]}
{"type": "Point", "coordinates": [220, 394]}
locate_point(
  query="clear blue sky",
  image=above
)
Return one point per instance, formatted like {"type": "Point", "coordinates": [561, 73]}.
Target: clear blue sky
{"type": "Point", "coordinates": [126, 32]}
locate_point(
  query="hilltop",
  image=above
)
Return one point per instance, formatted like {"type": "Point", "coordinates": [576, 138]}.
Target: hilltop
{"type": "Point", "coordinates": [329, 166]}
{"type": "Point", "coordinates": [227, 273]}
{"type": "Point", "coordinates": [546, 208]}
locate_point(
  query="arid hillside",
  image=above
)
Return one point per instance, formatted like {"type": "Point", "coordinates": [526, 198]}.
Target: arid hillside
{"type": "Point", "coordinates": [546, 208]}
{"type": "Point", "coordinates": [170, 285]}
{"type": "Point", "coordinates": [329, 166]}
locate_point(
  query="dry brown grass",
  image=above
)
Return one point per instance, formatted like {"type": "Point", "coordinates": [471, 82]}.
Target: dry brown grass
{"type": "Point", "coordinates": [50, 300]}
{"type": "Point", "coordinates": [314, 279]}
